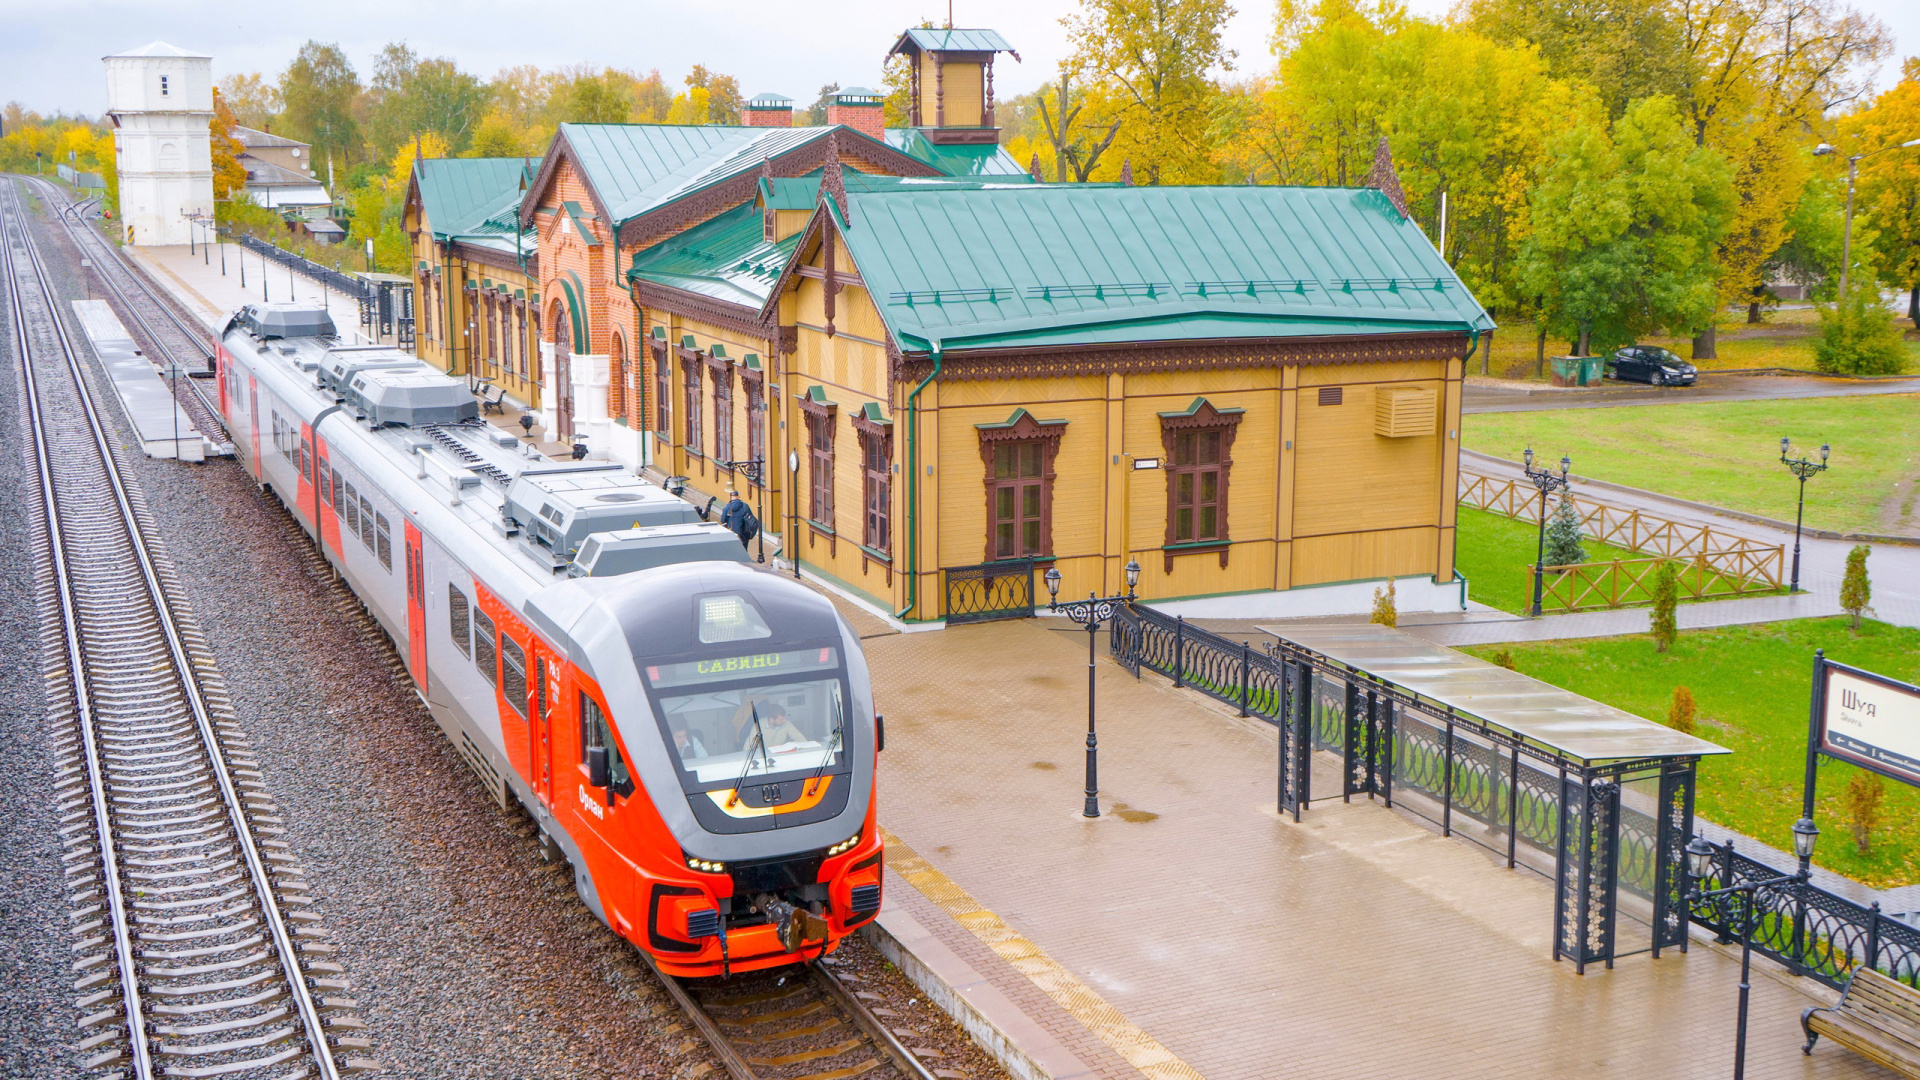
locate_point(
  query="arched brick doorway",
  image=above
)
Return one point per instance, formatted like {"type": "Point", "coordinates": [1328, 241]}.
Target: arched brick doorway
{"type": "Point", "coordinates": [557, 317]}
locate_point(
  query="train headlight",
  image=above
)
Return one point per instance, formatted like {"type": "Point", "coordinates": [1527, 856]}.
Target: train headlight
{"type": "Point", "coordinates": [844, 845]}
{"type": "Point", "coordinates": [706, 867]}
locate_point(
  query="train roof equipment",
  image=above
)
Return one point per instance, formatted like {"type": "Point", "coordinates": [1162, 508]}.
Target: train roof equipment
{"type": "Point", "coordinates": [284, 320]}
{"type": "Point", "coordinates": [625, 551]}
{"type": "Point", "coordinates": [410, 397]}
{"type": "Point", "coordinates": [340, 365]}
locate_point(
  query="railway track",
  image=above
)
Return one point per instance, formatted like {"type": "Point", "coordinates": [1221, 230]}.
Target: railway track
{"type": "Point", "coordinates": [797, 1023]}
{"type": "Point", "coordinates": [166, 334]}
{"type": "Point", "coordinates": [196, 952]}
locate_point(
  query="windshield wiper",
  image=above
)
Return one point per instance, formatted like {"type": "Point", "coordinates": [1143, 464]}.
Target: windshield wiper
{"type": "Point", "coordinates": [825, 759]}
{"type": "Point", "coordinates": [758, 741]}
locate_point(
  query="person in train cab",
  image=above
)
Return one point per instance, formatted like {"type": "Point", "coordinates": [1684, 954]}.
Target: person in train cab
{"type": "Point", "coordinates": [780, 731]}
{"type": "Point", "coordinates": [688, 743]}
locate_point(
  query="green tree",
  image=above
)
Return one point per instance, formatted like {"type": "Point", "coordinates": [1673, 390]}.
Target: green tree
{"type": "Point", "coordinates": [816, 113]}
{"type": "Point", "coordinates": [1075, 156]}
{"type": "Point", "coordinates": [1810, 257]}
{"type": "Point", "coordinates": [253, 101]}
{"type": "Point", "coordinates": [1856, 592]}
{"type": "Point", "coordinates": [319, 93]}
{"type": "Point", "coordinates": [1666, 601]}
{"type": "Point", "coordinates": [1149, 60]}
{"type": "Point", "coordinates": [586, 98]}
{"type": "Point", "coordinates": [495, 137]}
{"type": "Point", "coordinates": [1563, 535]}
{"type": "Point", "coordinates": [1858, 336]}
{"type": "Point", "coordinates": [723, 100]}
{"type": "Point", "coordinates": [1623, 230]}
{"type": "Point", "coordinates": [1624, 49]}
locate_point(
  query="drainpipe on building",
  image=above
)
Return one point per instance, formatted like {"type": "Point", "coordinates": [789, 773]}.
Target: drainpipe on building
{"type": "Point", "coordinates": [913, 484]}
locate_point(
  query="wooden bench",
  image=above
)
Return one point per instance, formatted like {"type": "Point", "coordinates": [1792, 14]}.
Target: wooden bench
{"type": "Point", "coordinates": [491, 397]}
{"type": "Point", "coordinates": [1876, 1017]}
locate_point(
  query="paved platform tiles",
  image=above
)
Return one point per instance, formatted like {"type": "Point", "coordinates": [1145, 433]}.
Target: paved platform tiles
{"type": "Point", "coordinates": [1358, 943]}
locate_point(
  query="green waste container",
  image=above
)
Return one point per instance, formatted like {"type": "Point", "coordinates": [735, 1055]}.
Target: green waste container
{"type": "Point", "coordinates": [1575, 370]}
{"type": "Point", "coordinates": [1589, 370]}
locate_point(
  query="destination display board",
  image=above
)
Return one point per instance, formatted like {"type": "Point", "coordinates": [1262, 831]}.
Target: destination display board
{"type": "Point", "coordinates": [1871, 721]}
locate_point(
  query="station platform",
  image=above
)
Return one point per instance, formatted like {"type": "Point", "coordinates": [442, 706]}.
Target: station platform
{"type": "Point", "coordinates": [198, 280]}
{"type": "Point", "coordinates": [164, 429]}
{"type": "Point", "coordinates": [1191, 931]}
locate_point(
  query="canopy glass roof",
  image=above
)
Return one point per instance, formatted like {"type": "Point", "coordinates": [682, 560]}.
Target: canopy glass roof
{"type": "Point", "coordinates": [1542, 713]}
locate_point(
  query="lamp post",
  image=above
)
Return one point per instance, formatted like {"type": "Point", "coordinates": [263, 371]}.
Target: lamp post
{"type": "Point", "coordinates": [1090, 613]}
{"type": "Point", "coordinates": [793, 512]}
{"type": "Point", "coordinates": [1803, 468]}
{"type": "Point", "coordinates": [1548, 482]}
{"type": "Point", "coordinates": [1699, 864]}
{"type": "Point", "coordinates": [1853, 170]}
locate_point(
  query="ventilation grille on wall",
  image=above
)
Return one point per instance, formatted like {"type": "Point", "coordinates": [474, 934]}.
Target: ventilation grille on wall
{"type": "Point", "coordinates": [1401, 411]}
{"type": "Point", "coordinates": [1332, 395]}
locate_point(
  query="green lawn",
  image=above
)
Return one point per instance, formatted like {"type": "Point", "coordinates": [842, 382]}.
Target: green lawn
{"type": "Point", "coordinates": [1495, 552]}
{"type": "Point", "coordinates": [1728, 453]}
{"type": "Point", "coordinates": [1784, 340]}
{"type": "Point", "coordinates": [1751, 684]}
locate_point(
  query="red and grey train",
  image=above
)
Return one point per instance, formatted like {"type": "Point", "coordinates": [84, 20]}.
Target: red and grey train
{"type": "Point", "coordinates": [696, 735]}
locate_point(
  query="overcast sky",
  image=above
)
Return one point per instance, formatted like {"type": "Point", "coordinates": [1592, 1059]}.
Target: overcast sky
{"type": "Point", "coordinates": [50, 49]}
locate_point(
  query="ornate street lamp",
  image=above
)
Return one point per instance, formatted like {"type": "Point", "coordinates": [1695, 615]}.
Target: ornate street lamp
{"type": "Point", "coordinates": [1091, 613]}
{"type": "Point", "coordinates": [1853, 170]}
{"type": "Point", "coordinates": [1802, 468]}
{"type": "Point", "coordinates": [1699, 864]}
{"type": "Point", "coordinates": [1548, 482]}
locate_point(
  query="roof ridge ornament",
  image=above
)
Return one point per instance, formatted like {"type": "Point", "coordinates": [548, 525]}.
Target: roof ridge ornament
{"type": "Point", "coordinates": [834, 183]}
{"type": "Point", "coordinates": [1385, 179]}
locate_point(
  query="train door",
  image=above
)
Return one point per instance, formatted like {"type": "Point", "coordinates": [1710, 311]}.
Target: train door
{"type": "Point", "coordinates": [540, 727]}
{"type": "Point", "coordinates": [416, 609]}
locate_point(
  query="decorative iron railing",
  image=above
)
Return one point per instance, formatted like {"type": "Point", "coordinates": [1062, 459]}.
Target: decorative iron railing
{"type": "Point", "coordinates": [995, 590]}
{"type": "Point", "coordinates": [1806, 928]}
{"type": "Point", "coordinates": [338, 280]}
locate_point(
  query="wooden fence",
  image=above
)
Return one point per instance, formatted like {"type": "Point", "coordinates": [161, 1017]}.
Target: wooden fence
{"type": "Point", "coordinates": [1713, 562]}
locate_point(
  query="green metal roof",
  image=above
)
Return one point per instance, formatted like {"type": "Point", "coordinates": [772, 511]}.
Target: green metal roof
{"type": "Point", "coordinates": [1061, 264]}
{"type": "Point", "coordinates": [971, 159]}
{"type": "Point", "coordinates": [727, 258]}
{"type": "Point", "coordinates": [934, 40]}
{"type": "Point", "coordinates": [458, 195]}
{"type": "Point", "coordinates": [635, 168]}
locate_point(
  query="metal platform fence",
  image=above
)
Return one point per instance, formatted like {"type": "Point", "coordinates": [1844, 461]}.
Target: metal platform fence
{"type": "Point", "coordinates": [1611, 835]}
{"type": "Point", "coordinates": [338, 280]}
{"type": "Point", "coordinates": [995, 590]}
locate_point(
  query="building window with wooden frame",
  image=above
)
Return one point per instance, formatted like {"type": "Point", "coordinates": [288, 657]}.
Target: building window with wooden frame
{"type": "Point", "coordinates": [756, 395]}
{"type": "Point", "coordinates": [722, 406]}
{"type": "Point", "coordinates": [617, 379]}
{"type": "Point", "coordinates": [820, 414]}
{"type": "Point", "coordinates": [1198, 441]}
{"type": "Point", "coordinates": [662, 388]}
{"type": "Point", "coordinates": [1019, 458]}
{"type": "Point", "coordinates": [875, 432]}
{"type": "Point", "coordinates": [690, 369]}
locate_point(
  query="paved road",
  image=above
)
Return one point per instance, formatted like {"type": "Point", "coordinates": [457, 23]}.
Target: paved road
{"type": "Point", "coordinates": [1524, 397]}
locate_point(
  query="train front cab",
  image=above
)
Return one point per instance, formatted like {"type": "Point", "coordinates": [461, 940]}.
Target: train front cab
{"type": "Point", "coordinates": [760, 847]}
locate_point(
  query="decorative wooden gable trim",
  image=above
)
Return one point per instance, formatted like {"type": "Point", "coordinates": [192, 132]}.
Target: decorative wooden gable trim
{"type": "Point", "coordinates": [560, 153]}
{"type": "Point", "coordinates": [707, 309]}
{"type": "Point", "coordinates": [813, 401]}
{"type": "Point", "coordinates": [870, 419]}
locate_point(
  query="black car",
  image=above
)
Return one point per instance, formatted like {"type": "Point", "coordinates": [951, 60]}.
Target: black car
{"type": "Point", "coordinates": [1651, 364]}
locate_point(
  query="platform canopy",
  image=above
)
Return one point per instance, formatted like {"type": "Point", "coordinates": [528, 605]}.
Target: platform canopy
{"type": "Point", "coordinates": [1561, 720]}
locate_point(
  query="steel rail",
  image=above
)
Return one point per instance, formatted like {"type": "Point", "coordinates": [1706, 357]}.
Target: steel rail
{"type": "Point", "coordinates": [84, 239]}
{"type": "Point", "coordinates": [835, 994]}
{"type": "Point", "coordinates": [177, 658]}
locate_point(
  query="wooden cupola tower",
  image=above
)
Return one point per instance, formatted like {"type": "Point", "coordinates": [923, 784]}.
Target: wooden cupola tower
{"type": "Point", "coordinates": [951, 80]}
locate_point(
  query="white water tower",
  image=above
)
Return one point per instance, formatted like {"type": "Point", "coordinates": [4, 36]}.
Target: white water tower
{"type": "Point", "coordinates": [160, 101]}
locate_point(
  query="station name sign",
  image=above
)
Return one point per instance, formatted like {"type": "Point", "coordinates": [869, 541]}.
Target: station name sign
{"type": "Point", "coordinates": [1869, 720]}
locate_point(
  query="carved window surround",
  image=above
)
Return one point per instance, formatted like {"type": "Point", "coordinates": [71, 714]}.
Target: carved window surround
{"type": "Point", "coordinates": [1200, 418]}
{"type": "Point", "coordinates": [1022, 427]}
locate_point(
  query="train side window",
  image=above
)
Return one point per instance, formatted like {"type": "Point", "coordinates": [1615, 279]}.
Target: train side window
{"type": "Point", "coordinates": [513, 674]}
{"type": "Point", "coordinates": [460, 620]}
{"type": "Point", "coordinates": [383, 541]}
{"type": "Point", "coordinates": [339, 500]}
{"type": "Point", "coordinates": [306, 460]}
{"type": "Point", "coordinates": [484, 653]}
{"type": "Point", "coordinates": [366, 522]}
{"type": "Point", "coordinates": [594, 732]}
{"type": "Point", "coordinates": [351, 505]}
{"type": "Point", "coordinates": [325, 482]}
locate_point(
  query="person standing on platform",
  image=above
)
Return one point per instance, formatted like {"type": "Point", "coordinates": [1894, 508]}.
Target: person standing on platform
{"type": "Point", "coordinates": [738, 517]}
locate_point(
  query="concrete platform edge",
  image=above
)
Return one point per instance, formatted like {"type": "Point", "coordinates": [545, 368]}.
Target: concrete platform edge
{"type": "Point", "coordinates": [1009, 1036]}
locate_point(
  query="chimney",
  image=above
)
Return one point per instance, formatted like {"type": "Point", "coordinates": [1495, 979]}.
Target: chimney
{"type": "Point", "coordinates": [861, 109]}
{"type": "Point", "coordinates": [769, 110]}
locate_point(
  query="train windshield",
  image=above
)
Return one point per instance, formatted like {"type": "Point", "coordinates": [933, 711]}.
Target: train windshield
{"type": "Point", "coordinates": [733, 718]}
